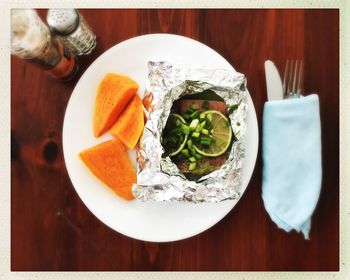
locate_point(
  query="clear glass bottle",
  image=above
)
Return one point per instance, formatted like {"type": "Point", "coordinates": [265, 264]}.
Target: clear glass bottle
{"type": "Point", "coordinates": [31, 40]}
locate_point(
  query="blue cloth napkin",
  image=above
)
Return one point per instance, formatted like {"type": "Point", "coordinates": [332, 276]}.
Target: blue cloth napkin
{"type": "Point", "coordinates": [292, 168]}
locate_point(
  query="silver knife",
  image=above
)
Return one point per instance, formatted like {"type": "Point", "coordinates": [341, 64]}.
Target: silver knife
{"type": "Point", "coordinates": [273, 82]}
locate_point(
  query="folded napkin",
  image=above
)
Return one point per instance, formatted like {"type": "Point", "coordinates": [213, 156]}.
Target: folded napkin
{"type": "Point", "coordinates": [292, 168]}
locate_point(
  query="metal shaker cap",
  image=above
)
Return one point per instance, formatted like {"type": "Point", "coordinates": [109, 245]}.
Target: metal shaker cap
{"type": "Point", "coordinates": [63, 21]}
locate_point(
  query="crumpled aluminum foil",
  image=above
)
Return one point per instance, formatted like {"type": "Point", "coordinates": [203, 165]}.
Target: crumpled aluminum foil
{"type": "Point", "coordinates": [159, 179]}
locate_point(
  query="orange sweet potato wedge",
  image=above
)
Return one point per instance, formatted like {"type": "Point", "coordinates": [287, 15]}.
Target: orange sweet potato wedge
{"type": "Point", "coordinates": [113, 94]}
{"type": "Point", "coordinates": [129, 126]}
{"type": "Point", "coordinates": [110, 163]}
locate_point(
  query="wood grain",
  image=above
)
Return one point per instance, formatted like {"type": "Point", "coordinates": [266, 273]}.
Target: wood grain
{"type": "Point", "coordinates": [51, 229]}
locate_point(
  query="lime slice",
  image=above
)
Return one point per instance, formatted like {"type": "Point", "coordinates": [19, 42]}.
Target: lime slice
{"type": "Point", "coordinates": [174, 140]}
{"type": "Point", "coordinates": [221, 133]}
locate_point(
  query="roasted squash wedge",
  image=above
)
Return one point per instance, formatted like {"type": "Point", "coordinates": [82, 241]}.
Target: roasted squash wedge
{"type": "Point", "coordinates": [129, 126]}
{"type": "Point", "coordinates": [113, 94]}
{"type": "Point", "coordinates": [110, 163]}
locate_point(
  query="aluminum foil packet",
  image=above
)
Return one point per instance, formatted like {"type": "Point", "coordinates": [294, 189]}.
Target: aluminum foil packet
{"type": "Point", "coordinates": [159, 179]}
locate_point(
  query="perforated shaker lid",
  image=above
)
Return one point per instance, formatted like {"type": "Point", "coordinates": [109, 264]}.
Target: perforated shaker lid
{"type": "Point", "coordinates": [62, 21]}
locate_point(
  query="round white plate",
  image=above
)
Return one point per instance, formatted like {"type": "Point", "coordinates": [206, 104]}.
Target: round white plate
{"type": "Point", "coordinates": [149, 221]}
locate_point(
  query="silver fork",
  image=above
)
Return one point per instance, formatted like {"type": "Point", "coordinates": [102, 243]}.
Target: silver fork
{"type": "Point", "coordinates": [292, 79]}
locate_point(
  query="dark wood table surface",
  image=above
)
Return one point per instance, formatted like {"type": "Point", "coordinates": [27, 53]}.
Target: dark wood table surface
{"type": "Point", "coordinates": [51, 228]}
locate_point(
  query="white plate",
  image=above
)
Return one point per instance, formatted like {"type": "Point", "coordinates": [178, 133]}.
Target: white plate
{"type": "Point", "coordinates": [150, 221]}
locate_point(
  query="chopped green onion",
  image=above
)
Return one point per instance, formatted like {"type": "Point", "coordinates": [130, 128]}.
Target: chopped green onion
{"type": "Point", "coordinates": [185, 129]}
{"type": "Point", "coordinates": [205, 131]}
{"type": "Point", "coordinates": [189, 143]}
{"type": "Point", "coordinates": [193, 124]}
{"type": "Point", "coordinates": [209, 117]}
{"type": "Point", "coordinates": [192, 151]}
{"type": "Point", "coordinates": [205, 138]}
{"type": "Point", "coordinates": [190, 110]}
{"type": "Point", "coordinates": [205, 143]}
{"type": "Point", "coordinates": [192, 166]}
{"type": "Point", "coordinates": [198, 128]}
{"type": "Point", "coordinates": [194, 115]}
{"type": "Point", "coordinates": [202, 116]}
{"type": "Point", "coordinates": [203, 123]}
{"type": "Point", "coordinates": [205, 104]}
{"type": "Point", "coordinates": [195, 134]}
{"type": "Point", "coordinates": [186, 116]}
{"type": "Point", "coordinates": [194, 106]}
{"type": "Point", "coordinates": [197, 156]}
{"type": "Point", "coordinates": [185, 152]}
{"type": "Point", "coordinates": [208, 124]}
{"type": "Point", "coordinates": [192, 159]}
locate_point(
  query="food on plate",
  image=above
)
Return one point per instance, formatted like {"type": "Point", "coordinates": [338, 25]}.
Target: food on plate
{"type": "Point", "coordinates": [129, 125]}
{"type": "Point", "coordinates": [174, 135]}
{"type": "Point", "coordinates": [113, 94]}
{"type": "Point", "coordinates": [197, 135]}
{"type": "Point", "coordinates": [120, 109]}
{"type": "Point", "coordinates": [220, 135]}
{"type": "Point", "coordinates": [110, 163]}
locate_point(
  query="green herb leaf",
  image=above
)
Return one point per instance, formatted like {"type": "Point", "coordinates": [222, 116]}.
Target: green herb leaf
{"type": "Point", "coordinates": [233, 108]}
{"type": "Point", "coordinates": [205, 104]}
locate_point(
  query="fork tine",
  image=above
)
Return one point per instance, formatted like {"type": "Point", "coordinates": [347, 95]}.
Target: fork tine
{"type": "Point", "coordinates": [293, 74]}
{"type": "Point", "coordinates": [299, 78]}
{"type": "Point", "coordinates": [294, 88]}
{"type": "Point", "coordinates": [290, 79]}
{"type": "Point", "coordinates": [285, 79]}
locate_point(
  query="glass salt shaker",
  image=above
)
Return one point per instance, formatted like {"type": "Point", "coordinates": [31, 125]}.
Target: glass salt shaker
{"type": "Point", "coordinates": [32, 41]}
{"type": "Point", "coordinates": [72, 27]}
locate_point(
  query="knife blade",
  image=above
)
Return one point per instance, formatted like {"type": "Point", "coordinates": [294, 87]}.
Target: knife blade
{"type": "Point", "coordinates": [273, 82]}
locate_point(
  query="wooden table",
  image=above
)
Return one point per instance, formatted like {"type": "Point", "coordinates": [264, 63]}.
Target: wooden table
{"type": "Point", "coordinates": [51, 228]}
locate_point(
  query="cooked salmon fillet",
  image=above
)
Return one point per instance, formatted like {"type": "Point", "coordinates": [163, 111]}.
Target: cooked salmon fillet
{"type": "Point", "coordinates": [205, 165]}
{"type": "Point", "coordinates": [181, 106]}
